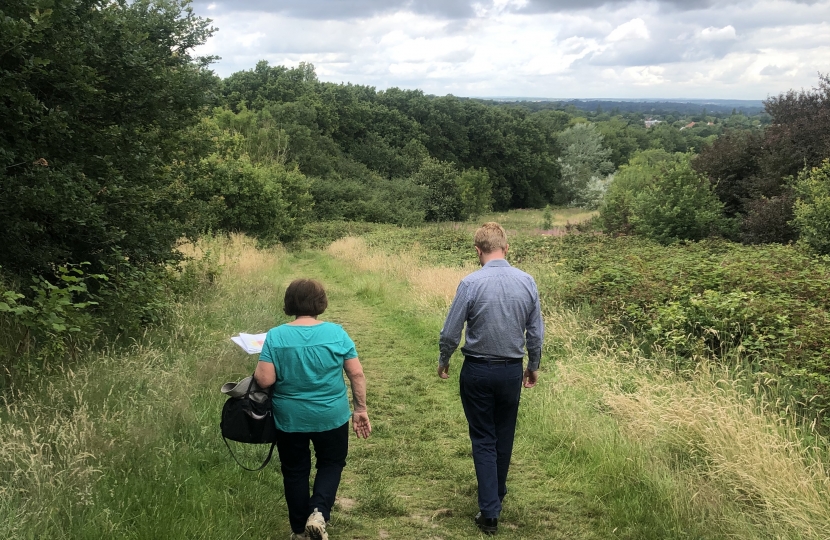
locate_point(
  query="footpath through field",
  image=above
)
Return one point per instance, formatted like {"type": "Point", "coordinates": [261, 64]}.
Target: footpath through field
{"type": "Point", "coordinates": [125, 444]}
{"type": "Point", "coordinates": [414, 477]}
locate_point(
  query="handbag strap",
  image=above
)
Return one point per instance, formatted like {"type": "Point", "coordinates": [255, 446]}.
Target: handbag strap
{"type": "Point", "coordinates": [273, 444]}
{"type": "Point", "coordinates": [264, 463]}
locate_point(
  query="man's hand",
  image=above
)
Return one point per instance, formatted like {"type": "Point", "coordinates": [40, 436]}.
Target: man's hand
{"type": "Point", "coordinates": [530, 378]}
{"type": "Point", "coordinates": [444, 371]}
{"type": "Point", "coordinates": [360, 423]}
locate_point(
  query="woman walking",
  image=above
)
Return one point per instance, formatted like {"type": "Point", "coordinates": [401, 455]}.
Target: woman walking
{"type": "Point", "coordinates": [305, 360]}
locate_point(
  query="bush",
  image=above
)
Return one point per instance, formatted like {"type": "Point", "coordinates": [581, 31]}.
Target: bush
{"type": "Point", "coordinates": [443, 200]}
{"type": "Point", "coordinates": [475, 193]}
{"type": "Point", "coordinates": [762, 306]}
{"type": "Point", "coordinates": [678, 205]}
{"type": "Point", "coordinates": [812, 209]}
{"type": "Point", "coordinates": [769, 220]}
{"type": "Point", "coordinates": [368, 198]}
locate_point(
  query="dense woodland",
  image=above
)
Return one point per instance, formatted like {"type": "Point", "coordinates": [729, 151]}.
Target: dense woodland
{"type": "Point", "coordinates": [118, 143]}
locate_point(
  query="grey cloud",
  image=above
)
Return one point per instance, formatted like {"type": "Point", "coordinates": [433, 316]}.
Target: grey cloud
{"type": "Point", "coordinates": [456, 57]}
{"type": "Point", "coordinates": [555, 6]}
{"type": "Point", "coordinates": [774, 71]}
{"type": "Point", "coordinates": [338, 9]}
{"type": "Point", "coordinates": [662, 48]}
{"type": "Point", "coordinates": [548, 6]}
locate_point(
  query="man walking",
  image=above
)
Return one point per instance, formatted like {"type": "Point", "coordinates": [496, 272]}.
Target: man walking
{"type": "Point", "coordinates": [500, 305]}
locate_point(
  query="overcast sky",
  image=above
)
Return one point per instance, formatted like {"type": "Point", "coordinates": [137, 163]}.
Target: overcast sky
{"type": "Point", "coordinates": [534, 48]}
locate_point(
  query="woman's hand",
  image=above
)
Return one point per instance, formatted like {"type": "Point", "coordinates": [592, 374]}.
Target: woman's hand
{"type": "Point", "coordinates": [360, 423]}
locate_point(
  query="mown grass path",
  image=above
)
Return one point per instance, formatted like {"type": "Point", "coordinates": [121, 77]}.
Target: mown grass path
{"type": "Point", "coordinates": [126, 443]}
{"type": "Point", "coordinates": [414, 477]}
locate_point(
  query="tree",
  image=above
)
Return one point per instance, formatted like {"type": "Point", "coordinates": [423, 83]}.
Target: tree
{"type": "Point", "coordinates": [633, 178]}
{"type": "Point", "coordinates": [443, 200]}
{"type": "Point", "coordinates": [812, 209]}
{"type": "Point", "coordinates": [95, 99]}
{"type": "Point", "coordinates": [475, 193]}
{"type": "Point", "coordinates": [678, 204]}
{"type": "Point", "coordinates": [583, 158]}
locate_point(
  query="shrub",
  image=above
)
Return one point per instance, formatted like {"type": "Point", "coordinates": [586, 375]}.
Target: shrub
{"type": "Point", "coordinates": [475, 193]}
{"type": "Point", "coordinates": [678, 205]}
{"type": "Point", "coordinates": [763, 306]}
{"type": "Point", "coordinates": [443, 200]}
{"type": "Point", "coordinates": [769, 220]}
{"type": "Point", "coordinates": [640, 172]}
{"type": "Point", "coordinates": [812, 209]}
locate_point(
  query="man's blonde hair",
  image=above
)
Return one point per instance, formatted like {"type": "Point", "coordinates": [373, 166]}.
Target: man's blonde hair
{"type": "Point", "coordinates": [490, 237]}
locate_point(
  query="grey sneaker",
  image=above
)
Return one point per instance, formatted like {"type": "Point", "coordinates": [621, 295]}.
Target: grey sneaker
{"type": "Point", "coordinates": [315, 527]}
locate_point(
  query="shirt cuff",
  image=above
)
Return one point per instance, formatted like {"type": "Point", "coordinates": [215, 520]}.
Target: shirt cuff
{"type": "Point", "coordinates": [533, 361]}
{"type": "Point", "coordinates": [443, 361]}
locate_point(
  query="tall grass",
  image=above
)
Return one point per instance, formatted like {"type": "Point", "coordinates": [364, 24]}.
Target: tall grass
{"type": "Point", "coordinates": [124, 443]}
{"type": "Point", "coordinates": [102, 448]}
{"type": "Point", "coordinates": [716, 460]}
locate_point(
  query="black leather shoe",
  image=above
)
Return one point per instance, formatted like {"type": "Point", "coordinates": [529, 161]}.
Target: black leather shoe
{"type": "Point", "coordinates": [487, 525]}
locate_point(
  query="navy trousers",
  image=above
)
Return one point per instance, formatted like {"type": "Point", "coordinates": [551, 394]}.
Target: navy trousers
{"type": "Point", "coordinates": [490, 395]}
{"type": "Point", "coordinates": [330, 449]}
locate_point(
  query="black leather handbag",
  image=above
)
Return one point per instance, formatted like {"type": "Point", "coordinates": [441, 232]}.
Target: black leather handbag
{"type": "Point", "coordinates": [249, 421]}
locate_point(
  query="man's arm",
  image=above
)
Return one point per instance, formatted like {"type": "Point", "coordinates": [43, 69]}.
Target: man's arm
{"type": "Point", "coordinates": [451, 332]}
{"type": "Point", "coordinates": [534, 335]}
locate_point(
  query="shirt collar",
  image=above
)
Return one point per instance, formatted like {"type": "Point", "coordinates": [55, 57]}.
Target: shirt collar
{"type": "Point", "coordinates": [497, 262]}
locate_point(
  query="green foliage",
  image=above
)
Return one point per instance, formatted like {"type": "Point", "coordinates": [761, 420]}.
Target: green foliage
{"type": "Point", "coordinates": [812, 209]}
{"type": "Point", "coordinates": [94, 97]}
{"type": "Point", "coordinates": [53, 320]}
{"type": "Point", "coordinates": [631, 179]}
{"type": "Point", "coordinates": [584, 161]}
{"type": "Point", "coordinates": [475, 193]}
{"type": "Point", "coordinates": [364, 196]}
{"type": "Point", "coordinates": [678, 205]}
{"type": "Point", "coordinates": [547, 219]}
{"type": "Point", "coordinates": [762, 307]}
{"type": "Point", "coordinates": [443, 201]}
{"type": "Point", "coordinates": [269, 202]}
{"type": "Point", "coordinates": [660, 196]}
{"type": "Point", "coordinates": [331, 128]}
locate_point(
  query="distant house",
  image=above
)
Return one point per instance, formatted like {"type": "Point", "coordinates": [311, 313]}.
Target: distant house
{"type": "Point", "coordinates": [650, 123]}
{"type": "Point", "coordinates": [689, 125]}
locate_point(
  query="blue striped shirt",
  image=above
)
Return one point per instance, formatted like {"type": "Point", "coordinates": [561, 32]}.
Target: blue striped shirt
{"type": "Point", "coordinates": [500, 305]}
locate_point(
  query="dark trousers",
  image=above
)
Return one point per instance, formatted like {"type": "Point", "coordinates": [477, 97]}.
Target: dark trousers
{"type": "Point", "coordinates": [490, 395]}
{"type": "Point", "coordinates": [330, 450]}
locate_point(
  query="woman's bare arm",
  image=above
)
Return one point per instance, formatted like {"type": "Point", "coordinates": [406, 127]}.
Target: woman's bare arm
{"type": "Point", "coordinates": [360, 417]}
{"type": "Point", "coordinates": [265, 374]}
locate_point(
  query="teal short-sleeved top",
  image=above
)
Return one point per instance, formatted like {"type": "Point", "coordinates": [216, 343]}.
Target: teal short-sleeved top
{"type": "Point", "coordinates": [310, 393]}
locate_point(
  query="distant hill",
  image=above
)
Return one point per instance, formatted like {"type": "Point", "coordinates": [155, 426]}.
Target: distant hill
{"type": "Point", "coordinates": [654, 106]}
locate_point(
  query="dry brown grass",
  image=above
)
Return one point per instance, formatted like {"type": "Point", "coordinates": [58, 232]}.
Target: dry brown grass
{"type": "Point", "coordinates": [235, 251]}
{"type": "Point", "coordinates": [432, 286]}
{"type": "Point", "coordinates": [732, 445]}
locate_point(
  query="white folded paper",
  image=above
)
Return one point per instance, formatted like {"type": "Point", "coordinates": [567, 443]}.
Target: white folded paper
{"type": "Point", "coordinates": [250, 343]}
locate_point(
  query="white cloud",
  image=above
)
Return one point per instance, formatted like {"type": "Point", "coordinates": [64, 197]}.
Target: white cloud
{"type": "Point", "coordinates": [633, 29]}
{"type": "Point", "coordinates": [718, 34]}
{"type": "Point", "coordinates": [624, 49]}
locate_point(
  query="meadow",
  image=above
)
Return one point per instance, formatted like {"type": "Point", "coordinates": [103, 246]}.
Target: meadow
{"type": "Point", "coordinates": [123, 442]}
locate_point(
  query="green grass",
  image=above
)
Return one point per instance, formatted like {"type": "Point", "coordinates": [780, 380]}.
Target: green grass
{"type": "Point", "coordinates": [126, 444]}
